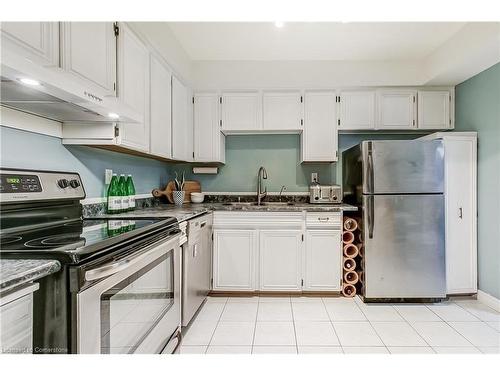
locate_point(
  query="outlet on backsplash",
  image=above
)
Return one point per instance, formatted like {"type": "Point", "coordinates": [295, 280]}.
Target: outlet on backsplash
{"type": "Point", "coordinates": [314, 177]}
{"type": "Point", "coordinates": [108, 174]}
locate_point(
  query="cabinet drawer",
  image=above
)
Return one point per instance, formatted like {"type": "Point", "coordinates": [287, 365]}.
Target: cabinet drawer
{"type": "Point", "coordinates": [330, 220]}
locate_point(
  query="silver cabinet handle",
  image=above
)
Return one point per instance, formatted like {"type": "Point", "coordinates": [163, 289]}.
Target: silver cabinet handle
{"type": "Point", "coordinates": [323, 218]}
{"type": "Point", "coordinates": [460, 212]}
{"type": "Point", "coordinates": [107, 270]}
{"type": "Point", "coordinates": [195, 250]}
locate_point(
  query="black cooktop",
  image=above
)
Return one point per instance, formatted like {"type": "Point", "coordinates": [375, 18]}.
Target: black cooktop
{"type": "Point", "coordinates": [75, 241]}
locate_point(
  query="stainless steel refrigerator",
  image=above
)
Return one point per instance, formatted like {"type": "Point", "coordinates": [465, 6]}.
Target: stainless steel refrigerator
{"type": "Point", "coordinates": [398, 186]}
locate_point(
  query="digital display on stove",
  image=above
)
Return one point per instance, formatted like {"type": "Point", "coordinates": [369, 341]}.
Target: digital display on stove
{"type": "Point", "coordinates": [10, 183]}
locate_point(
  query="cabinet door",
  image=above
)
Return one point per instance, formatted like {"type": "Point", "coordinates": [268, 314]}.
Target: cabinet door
{"type": "Point", "coordinates": [280, 254]}
{"type": "Point", "coordinates": [323, 260]}
{"type": "Point", "coordinates": [240, 111]}
{"type": "Point", "coordinates": [319, 138]}
{"type": "Point", "coordinates": [396, 109]}
{"type": "Point", "coordinates": [133, 87]}
{"type": "Point", "coordinates": [160, 109]}
{"type": "Point", "coordinates": [357, 110]}
{"type": "Point", "coordinates": [234, 259]}
{"type": "Point", "coordinates": [37, 41]}
{"type": "Point", "coordinates": [460, 198]}
{"type": "Point", "coordinates": [282, 111]}
{"type": "Point", "coordinates": [89, 52]}
{"type": "Point", "coordinates": [207, 135]}
{"type": "Point", "coordinates": [182, 125]}
{"type": "Point", "coordinates": [434, 110]}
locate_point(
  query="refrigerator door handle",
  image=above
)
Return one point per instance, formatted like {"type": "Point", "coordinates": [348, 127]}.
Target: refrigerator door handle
{"type": "Point", "coordinates": [370, 216]}
{"type": "Point", "coordinates": [370, 181]}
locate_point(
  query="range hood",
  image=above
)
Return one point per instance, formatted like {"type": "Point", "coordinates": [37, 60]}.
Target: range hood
{"type": "Point", "coordinates": [58, 95]}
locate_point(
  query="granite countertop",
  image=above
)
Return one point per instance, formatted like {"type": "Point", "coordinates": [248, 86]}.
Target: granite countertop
{"type": "Point", "coordinates": [189, 211]}
{"type": "Point", "coordinates": [15, 272]}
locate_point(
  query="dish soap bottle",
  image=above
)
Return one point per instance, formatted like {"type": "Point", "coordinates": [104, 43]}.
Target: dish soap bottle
{"type": "Point", "coordinates": [114, 196]}
{"type": "Point", "coordinates": [130, 193]}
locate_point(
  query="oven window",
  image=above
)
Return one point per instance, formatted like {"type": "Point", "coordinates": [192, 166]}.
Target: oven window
{"type": "Point", "coordinates": [132, 308]}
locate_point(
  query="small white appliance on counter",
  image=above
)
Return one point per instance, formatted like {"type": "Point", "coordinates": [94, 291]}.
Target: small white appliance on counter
{"type": "Point", "coordinates": [325, 194]}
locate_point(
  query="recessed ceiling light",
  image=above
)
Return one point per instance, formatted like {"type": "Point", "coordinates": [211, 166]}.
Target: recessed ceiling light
{"type": "Point", "coordinates": [279, 24]}
{"type": "Point", "coordinates": [113, 115]}
{"type": "Point", "coordinates": [29, 81]}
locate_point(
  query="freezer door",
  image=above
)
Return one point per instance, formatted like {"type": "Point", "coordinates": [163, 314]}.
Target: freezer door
{"type": "Point", "coordinates": [401, 167]}
{"type": "Point", "coordinates": [404, 241]}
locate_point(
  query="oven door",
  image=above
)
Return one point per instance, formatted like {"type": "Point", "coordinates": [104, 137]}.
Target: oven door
{"type": "Point", "coordinates": [135, 305]}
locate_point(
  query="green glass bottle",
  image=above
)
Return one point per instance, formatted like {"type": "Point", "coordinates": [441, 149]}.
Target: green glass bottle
{"type": "Point", "coordinates": [114, 196]}
{"type": "Point", "coordinates": [131, 193]}
{"type": "Point", "coordinates": [122, 186]}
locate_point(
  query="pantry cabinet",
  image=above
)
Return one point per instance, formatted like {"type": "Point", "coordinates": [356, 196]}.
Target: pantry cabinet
{"type": "Point", "coordinates": [357, 110]}
{"type": "Point", "coordinates": [319, 138]}
{"type": "Point", "coordinates": [36, 41]}
{"type": "Point", "coordinates": [240, 112]}
{"type": "Point", "coordinates": [182, 124]}
{"type": "Point", "coordinates": [323, 260]}
{"type": "Point", "coordinates": [280, 253]}
{"type": "Point", "coordinates": [282, 111]}
{"type": "Point", "coordinates": [396, 109]}
{"type": "Point", "coordinates": [88, 52]}
{"type": "Point", "coordinates": [160, 108]}
{"type": "Point", "coordinates": [234, 260]}
{"type": "Point", "coordinates": [209, 142]}
{"type": "Point", "coordinates": [460, 194]}
{"type": "Point", "coordinates": [434, 110]}
{"type": "Point", "coordinates": [133, 88]}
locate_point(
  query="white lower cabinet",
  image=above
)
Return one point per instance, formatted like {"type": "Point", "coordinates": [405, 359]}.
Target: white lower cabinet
{"type": "Point", "coordinates": [280, 254]}
{"type": "Point", "coordinates": [323, 260]}
{"type": "Point", "coordinates": [234, 259]}
{"type": "Point", "coordinates": [268, 251]}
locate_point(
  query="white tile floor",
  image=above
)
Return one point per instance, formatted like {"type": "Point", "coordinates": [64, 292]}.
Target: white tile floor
{"type": "Point", "coordinates": [291, 325]}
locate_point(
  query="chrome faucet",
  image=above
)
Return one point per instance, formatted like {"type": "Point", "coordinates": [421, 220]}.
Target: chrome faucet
{"type": "Point", "coordinates": [283, 188]}
{"type": "Point", "coordinates": [261, 194]}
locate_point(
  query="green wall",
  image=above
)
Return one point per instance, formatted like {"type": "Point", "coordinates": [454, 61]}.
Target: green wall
{"type": "Point", "coordinates": [477, 106]}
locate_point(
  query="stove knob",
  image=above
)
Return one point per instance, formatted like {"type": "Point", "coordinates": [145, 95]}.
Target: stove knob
{"type": "Point", "coordinates": [63, 183]}
{"type": "Point", "coordinates": [74, 184]}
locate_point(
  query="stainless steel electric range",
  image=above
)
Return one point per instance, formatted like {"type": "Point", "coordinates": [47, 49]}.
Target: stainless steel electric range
{"type": "Point", "coordinates": [118, 290]}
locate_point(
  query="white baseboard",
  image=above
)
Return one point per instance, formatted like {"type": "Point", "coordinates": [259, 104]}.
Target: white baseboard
{"type": "Point", "coordinates": [488, 300]}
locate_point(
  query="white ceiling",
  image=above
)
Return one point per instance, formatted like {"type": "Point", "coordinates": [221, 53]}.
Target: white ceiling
{"type": "Point", "coordinates": [312, 41]}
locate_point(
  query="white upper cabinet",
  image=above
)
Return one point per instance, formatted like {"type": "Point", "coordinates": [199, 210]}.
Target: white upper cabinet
{"type": "Point", "coordinates": [208, 139]}
{"type": "Point", "coordinates": [240, 111]}
{"type": "Point", "coordinates": [133, 87]}
{"type": "Point", "coordinates": [88, 51]}
{"type": "Point", "coordinates": [319, 138]}
{"type": "Point", "coordinates": [434, 110]}
{"type": "Point", "coordinates": [396, 109]}
{"type": "Point", "coordinates": [357, 110]}
{"type": "Point", "coordinates": [36, 41]}
{"type": "Point", "coordinates": [182, 124]}
{"type": "Point", "coordinates": [280, 265]}
{"type": "Point", "coordinates": [282, 111]}
{"type": "Point", "coordinates": [160, 108]}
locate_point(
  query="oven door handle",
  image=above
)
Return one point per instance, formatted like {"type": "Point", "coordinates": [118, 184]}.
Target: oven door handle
{"type": "Point", "coordinates": [115, 267]}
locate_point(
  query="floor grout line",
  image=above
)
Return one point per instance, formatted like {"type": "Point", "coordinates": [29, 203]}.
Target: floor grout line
{"type": "Point", "coordinates": [333, 326]}
{"type": "Point", "coordinates": [413, 328]}
{"type": "Point", "coordinates": [369, 321]}
{"type": "Point", "coordinates": [255, 326]}
{"type": "Point", "coordinates": [294, 329]}
{"type": "Point", "coordinates": [217, 325]}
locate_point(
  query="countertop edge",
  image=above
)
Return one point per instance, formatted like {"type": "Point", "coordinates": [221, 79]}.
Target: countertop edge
{"type": "Point", "coordinates": [17, 272]}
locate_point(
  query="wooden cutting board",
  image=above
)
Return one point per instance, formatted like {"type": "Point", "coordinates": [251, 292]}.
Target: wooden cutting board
{"type": "Point", "coordinates": [189, 187]}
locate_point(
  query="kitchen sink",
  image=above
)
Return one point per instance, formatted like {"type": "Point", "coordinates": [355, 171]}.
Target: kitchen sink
{"type": "Point", "coordinates": [264, 204]}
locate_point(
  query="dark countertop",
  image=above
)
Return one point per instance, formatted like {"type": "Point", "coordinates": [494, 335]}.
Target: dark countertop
{"type": "Point", "coordinates": [15, 272]}
{"type": "Point", "coordinates": [188, 211]}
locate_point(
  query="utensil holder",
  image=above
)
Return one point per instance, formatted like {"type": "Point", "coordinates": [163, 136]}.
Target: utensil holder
{"type": "Point", "coordinates": [178, 196]}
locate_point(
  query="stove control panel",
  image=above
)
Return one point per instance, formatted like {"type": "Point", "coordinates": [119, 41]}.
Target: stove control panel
{"type": "Point", "coordinates": [15, 183]}
{"type": "Point", "coordinates": [28, 185]}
